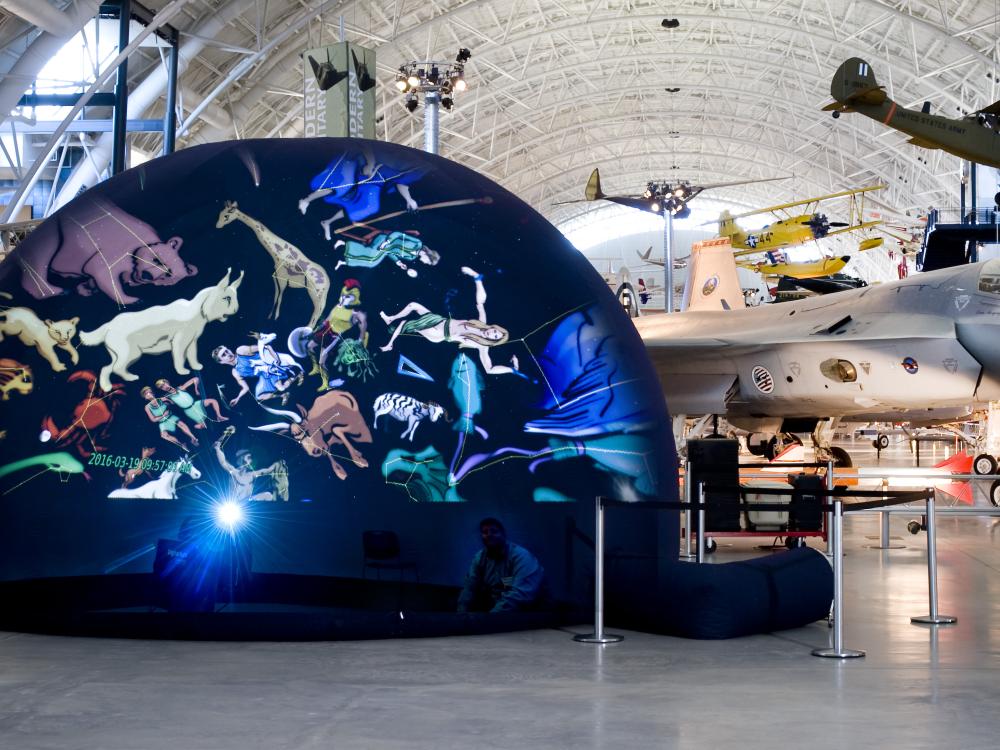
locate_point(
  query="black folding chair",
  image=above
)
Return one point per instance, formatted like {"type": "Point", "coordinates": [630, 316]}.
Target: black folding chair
{"type": "Point", "coordinates": [381, 552]}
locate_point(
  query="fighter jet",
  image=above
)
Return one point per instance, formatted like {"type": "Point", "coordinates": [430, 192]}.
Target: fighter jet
{"type": "Point", "coordinates": [975, 137]}
{"type": "Point", "coordinates": [921, 349]}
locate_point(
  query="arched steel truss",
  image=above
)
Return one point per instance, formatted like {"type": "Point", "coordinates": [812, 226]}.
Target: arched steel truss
{"type": "Point", "coordinates": [558, 88]}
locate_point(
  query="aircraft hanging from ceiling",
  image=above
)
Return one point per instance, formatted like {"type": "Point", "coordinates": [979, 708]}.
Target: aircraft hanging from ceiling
{"type": "Point", "coordinates": [644, 257]}
{"type": "Point", "coordinates": [921, 349]}
{"type": "Point", "coordinates": [795, 228]}
{"type": "Point", "coordinates": [776, 264]}
{"type": "Point", "coordinates": [975, 137]}
{"type": "Point", "coordinates": [659, 197]}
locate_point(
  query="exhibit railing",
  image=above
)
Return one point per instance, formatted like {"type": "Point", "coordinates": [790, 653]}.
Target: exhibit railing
{"type": "Point", "coordinates": [834, 505]}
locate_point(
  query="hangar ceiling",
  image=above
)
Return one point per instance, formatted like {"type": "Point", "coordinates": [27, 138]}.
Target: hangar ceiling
{"type": "Point", "coordinates": [558, 87]}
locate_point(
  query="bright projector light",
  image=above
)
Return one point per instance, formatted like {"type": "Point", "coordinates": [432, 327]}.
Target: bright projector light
{"type": "Point", "coordinates": [229, 515]}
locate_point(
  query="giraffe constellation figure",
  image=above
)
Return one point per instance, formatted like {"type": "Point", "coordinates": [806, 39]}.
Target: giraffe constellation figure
{"type": "Point", "coordinates": [291, 266]}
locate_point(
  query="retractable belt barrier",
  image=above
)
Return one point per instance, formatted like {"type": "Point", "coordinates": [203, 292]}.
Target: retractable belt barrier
{"type": "Point", "coordinates": [836, 509]}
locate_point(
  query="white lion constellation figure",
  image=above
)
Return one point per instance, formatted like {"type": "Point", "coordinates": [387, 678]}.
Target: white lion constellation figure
{"type": "Point", "coordinates": [173, 328]}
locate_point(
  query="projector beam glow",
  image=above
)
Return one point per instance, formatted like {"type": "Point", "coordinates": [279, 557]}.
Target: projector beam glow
{"type": "Point", "coordinates": [229, 515]}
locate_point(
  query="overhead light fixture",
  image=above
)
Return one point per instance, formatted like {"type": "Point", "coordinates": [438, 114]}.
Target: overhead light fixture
{"type": "Point", "coordinates": [672, 90]}
{"type": "Point", "coordinates": [434, 84]}
{"type": "Point", "coordinates": [670, 23]}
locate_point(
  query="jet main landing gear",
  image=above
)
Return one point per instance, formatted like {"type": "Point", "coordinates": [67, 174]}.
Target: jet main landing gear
{"type": "Point", "coordinates": [984, 464]}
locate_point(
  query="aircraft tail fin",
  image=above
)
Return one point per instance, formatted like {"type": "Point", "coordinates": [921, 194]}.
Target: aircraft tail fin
{"type": "Point", "coordinates": [713, 283]}
{"type": "Point", "coordinates": [854, 83]}
{"type": "Point", "coordinates": [593, 190]}
{"type": "Point", "coordinates": [727, 226]}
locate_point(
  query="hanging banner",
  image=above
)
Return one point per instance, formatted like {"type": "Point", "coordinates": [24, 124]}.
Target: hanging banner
{"type": "Point", "coordinates": [339, 91]}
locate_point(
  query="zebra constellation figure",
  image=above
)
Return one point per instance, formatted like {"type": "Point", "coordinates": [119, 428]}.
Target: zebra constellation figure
{"type": "Point", "coordinates": [407, 409]}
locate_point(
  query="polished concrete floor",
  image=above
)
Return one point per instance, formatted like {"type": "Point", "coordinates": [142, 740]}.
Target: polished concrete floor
{"type": "Point", "coordinates": [918, 686]}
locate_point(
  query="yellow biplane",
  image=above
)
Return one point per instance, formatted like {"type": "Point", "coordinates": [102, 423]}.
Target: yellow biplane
{"type": "Point", "coordinates": [795, 228]}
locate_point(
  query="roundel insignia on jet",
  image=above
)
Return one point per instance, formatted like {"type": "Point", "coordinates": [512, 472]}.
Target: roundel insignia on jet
{"type": "Point", "coordinates": [710, 286]}
{"type": "Point", "coordinates": [910, 365]}
{"type": "Point", "coordinates": [762, 379]}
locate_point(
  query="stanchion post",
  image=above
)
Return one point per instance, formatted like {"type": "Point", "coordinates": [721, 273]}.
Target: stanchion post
{"type": "Point", "coordinates": [700, 552]}
{"type": "Point", "coordinates": [934, 618]}
{"type": "Point", "coordinates": [829, 499]}
{"type": "Point", "coordinates": [687, 511]}
{"type": "Point", "coordinates": [598, 636]}
{"type": "Point", "coordinates": [884, 538]}
{"type": "Point", "coordinates": [836, 537]}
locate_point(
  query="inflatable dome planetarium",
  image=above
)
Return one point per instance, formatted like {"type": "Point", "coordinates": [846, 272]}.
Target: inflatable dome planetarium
{"type": "Point", "coordinates": [219, 370]}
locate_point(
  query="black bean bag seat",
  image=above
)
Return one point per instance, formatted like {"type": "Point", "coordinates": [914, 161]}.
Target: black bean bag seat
{"type": "Point", "coordinates": [726, 600]}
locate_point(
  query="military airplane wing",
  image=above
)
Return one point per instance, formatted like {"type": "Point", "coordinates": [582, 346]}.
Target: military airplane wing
{"type": "Point", "coordinates": [993, 109]}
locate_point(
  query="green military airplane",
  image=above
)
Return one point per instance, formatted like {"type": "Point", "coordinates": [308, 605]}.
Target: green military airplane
{"type": "Point", "coordinates": [975, 137]}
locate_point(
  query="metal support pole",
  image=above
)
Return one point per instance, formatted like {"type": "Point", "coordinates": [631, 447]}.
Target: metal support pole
{"type": "Point", "coordinates": [962, 200]}
{"type": "Point", "coordinates": [121, 91]}
{"type": "Point", "coordinates": [170, 116]}
{"type": "Point", "coordinates": [687, 511]}
{"type": "Point", "coordinates": [700, 551]}
{"type": "Point", "coordinates": [884, 538]}
{"type": "Point", "coordinates": [934, 618]}
{"type": "Point", "coordinates": [599, 636]}
{"type": "Point", "coordinates": [668, 261]}
{"type": "Point", "coordinates": [972, 192]}
{"type": "Point", "coordinates": [837, 536]}
{"type": "Point", "coordinates": [432, 100]}
{"type": "Point", "coordinates": [829, 514]}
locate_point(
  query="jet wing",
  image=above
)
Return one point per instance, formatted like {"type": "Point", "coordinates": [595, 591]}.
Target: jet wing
{"type": "Point", "coordinates": [726, 333]}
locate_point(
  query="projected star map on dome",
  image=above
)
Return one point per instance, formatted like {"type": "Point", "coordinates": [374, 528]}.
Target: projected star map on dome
{"type": "Point", "coordinates": [328, 334]}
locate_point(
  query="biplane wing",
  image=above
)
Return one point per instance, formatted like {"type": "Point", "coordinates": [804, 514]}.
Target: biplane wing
{"type": "Point", "coordinates": [806, 202]}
